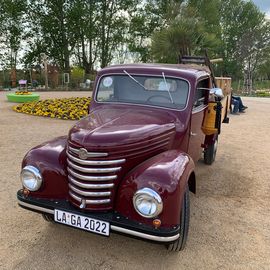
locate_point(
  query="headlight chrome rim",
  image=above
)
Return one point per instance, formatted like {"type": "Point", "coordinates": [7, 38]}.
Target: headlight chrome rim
{"type": "Point", "coordinates": [36, 177]}
{"type": "Point", "coordinates": [151, 194]}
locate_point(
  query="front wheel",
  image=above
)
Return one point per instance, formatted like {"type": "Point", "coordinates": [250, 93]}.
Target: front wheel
{"type": "Point", "coordinates": [210, 153]}
{"type": "Point", "coordinates": [180, 243]}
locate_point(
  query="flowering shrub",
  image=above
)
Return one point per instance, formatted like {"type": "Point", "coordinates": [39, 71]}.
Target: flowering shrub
{"type": "Point", "coordinates": [22, 93]}
{"type": "Point", "coordinates": [63, 108]}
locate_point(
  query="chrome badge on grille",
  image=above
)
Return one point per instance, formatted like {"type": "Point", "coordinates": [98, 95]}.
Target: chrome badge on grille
{"type": "Point", "coordinates": [83, 154]}
{"type": "Point", "coordinates": [83, 204]}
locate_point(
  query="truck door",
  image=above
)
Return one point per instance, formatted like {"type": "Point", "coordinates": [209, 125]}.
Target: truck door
{"type": "Point", "coordinates": [196, 136]}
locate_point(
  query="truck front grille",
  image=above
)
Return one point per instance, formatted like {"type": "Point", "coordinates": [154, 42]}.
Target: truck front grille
{"type": "Point", "coordinates": [92, 179]}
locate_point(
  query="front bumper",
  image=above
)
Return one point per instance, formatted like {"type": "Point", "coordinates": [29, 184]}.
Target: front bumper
{"type": "Point", "coordinates": [117, 222]}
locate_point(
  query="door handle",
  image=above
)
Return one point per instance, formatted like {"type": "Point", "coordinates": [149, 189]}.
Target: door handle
{"type": "Point", "coordinates": [193, 134]}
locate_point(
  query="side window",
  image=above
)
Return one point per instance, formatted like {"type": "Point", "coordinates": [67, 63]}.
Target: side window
{"type": "Point", "coordinates": [201, 93]}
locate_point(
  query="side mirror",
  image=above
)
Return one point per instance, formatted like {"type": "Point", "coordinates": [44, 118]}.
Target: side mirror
{"type": "Point", "coordinates": [217, 92]}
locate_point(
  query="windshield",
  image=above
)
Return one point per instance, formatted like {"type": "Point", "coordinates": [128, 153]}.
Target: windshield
{"type": "Point", "coordinates": [160, 91]}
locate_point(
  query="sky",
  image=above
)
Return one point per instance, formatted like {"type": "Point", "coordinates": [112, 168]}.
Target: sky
{"type": "Point", "coordinates": [264, 6]}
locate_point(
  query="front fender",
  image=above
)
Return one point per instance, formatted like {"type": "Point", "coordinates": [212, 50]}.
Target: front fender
{"type": "Point", "coordinates": [50, 159]}
{"type": "Point", "coordinates": [167, 174]}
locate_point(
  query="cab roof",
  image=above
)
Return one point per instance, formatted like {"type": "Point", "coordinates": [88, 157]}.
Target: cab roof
{"type": "Point", "coordinates": [189, 70]}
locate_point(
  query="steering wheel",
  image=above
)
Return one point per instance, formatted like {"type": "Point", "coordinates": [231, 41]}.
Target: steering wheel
{"type": "Point", "coordinates": [158, 96]}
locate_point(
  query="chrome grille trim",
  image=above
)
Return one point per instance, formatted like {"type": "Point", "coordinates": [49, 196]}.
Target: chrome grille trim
{"type": "Point", "coordinates": [90, 193]}
{"type": "Point", "coordinates": [89, 154]}
{"type": "Point", "coordinates": [78, 199]}
{"type": "Point", "coordinates": [139, 148]}
{"type": "Point", "coordinates": [93, 170]}
{"type": "Point", "coordinates": [95, 162]}
{"type": "Point", "coordinates": [141, 152]}
{"type": "Point", "coordinates": [91, 178]}
{"type": "Point", "coordinates": [90, 186]}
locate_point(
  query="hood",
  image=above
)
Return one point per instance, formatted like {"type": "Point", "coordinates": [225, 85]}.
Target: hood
{"type": "Point", "coordinates": [115, 126]}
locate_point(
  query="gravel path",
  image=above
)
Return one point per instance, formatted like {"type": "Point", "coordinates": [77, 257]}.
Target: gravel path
{"type": "Point", "coordinates": [230, 216]}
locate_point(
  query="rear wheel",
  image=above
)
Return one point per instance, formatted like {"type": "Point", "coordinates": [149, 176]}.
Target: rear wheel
{"type": "Point", "coordinates": [210, 153]}
{"type": "Point", "coordinates": [48, 218]}
{"type": "Point", "coordinates": [180, 243]}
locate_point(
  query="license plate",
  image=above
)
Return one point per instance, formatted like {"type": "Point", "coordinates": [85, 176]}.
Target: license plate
{"type": "Point", "coordinates": [82, 222]}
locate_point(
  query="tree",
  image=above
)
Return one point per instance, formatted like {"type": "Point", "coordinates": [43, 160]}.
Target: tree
{"type": "Point", "coordinates": [86, 47]}
{"type": "Point", "coordinates": [12, 18]}
{"type": "Point", "coordinates": [113, 22]}
{"type": "Point", "coordinates": [77, 76]}
{"type": "Point", "coordinates": [209, 11]}
{"type": "Point", "coordinates": [245, 34]}
{"type": "Point", "coordinates": [151, 16]}
{"type": "Point", "coordinates": [103, 28]}
{"type": "Point", "coordinates": [55, 22]}
{"type": "Point", "coordinates": [263, 67]}
{"type": "Point", "coordinates": [89, 30]}
{"type": "Point", "coordinates": [185, 35]}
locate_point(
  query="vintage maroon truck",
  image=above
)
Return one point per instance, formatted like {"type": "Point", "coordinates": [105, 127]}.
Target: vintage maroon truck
{"type": "Point", "coordinates": [128, 166]}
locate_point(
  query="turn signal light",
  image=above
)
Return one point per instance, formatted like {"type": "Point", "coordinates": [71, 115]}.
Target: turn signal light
{"type": "Point", "coordinates": [157, 223]}
{"type": "Point", "coordinates": [26, 192]}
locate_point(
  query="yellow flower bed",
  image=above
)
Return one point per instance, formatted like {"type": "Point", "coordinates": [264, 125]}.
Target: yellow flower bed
{"type": "Point", "coordinates": [63, 108]}
{"type": "Point", "coordinates": [22, 93]}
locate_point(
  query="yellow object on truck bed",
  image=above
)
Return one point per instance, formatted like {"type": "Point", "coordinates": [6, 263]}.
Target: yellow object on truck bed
{"type": "Point", "coordinates": [213, 119]}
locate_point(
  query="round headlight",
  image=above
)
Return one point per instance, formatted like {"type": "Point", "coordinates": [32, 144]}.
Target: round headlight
{"type": "Point", "coordinates": [31, 178]}
{"type": "Point", "coordinates": [147, 203]}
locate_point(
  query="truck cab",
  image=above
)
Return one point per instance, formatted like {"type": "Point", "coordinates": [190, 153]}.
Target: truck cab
{"type": "Point", "coordinates": [128, 166]}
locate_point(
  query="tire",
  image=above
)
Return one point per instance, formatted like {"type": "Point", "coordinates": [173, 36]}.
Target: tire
{"type": "Point", "coordinates": [48, 218]}
{"type": "Point", "coordinates": [180, 243]}
{"type": "Point", "coordinates": [210, 153]}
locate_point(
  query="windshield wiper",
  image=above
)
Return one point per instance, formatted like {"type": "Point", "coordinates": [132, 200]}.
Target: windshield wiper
{"type": "Point", "coordinates": [167, 88]}
{"type": "Point", "coordinates": [131, 77]}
